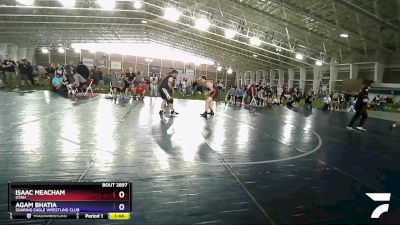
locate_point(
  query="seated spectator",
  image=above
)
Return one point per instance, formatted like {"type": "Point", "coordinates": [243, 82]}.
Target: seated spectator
{"type": "Point", "coordinates": [77, 85]}
{"type": "Point", "coordinates": [259, 97]}
{"type": "Point", "coordinates": [231, 94]}
{"type": "Point", "coordinates": [276, 100]}
{"type": "Point", "coordinates": [352, 105]}
{"type": "Point", "coordinates": [141, 90]}
{"type": "Point", "coordinates": [290, 102]}
{"type": "Point", "coordinates": [60, 82]}
{"type": "Point", "coordinates": [239, 96]}
{"type": "Point", "coordinates": [118, 84]}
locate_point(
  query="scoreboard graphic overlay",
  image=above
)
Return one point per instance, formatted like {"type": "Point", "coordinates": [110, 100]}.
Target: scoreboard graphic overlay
{"type": "Point", "coordinates": [70, 200]}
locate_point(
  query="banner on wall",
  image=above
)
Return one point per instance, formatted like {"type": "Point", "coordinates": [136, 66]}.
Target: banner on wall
{"type": "Point", "coordinates": [190, 71]}
{"type": "Point", "coordinates": [155, 69]}
{"type": "Point", "coordinates": [87, 62]}
{"type": "Point", "coordinates": [101, 63]}
{"type": "Point", "coordinates": [116, 65]}
{"type": "Point", "coordinates": [180, 71]}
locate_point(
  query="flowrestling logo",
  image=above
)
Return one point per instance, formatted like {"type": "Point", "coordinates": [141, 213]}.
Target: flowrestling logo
{"type": "Point", "coordinates": [379, 197]}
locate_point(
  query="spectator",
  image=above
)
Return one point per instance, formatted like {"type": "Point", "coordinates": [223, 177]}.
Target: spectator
{"type": "Point", "coordinates": [8, 66]}
{"type": "Point", "coordinates": [279, 91]}
{"type": "Point", "coordinates": [50, 71]}
{"type": "Point", "coordinates": [352, 104]}
{"type": "Point", "coordinates": [77, 85]}
{"type": "Point", "coordinates": [327, 103]}
{"type": "Point", "coordinates": [239, 96]}
{"type": "Point", "coordinates": [308, 102]}
{"type": "Point", "coordinates": [60, 81]}
{"type": "Point", "coordinates": [153, 85]}
{"type": "Point", "coordinates": [232, 94]}
{"type": "Point", "coordinates": [95, 76]}
{"type": "Point", "coordinates": [70, 71]}
{"type": "Point", "coordinates": [83, 70]}
{"type": "Point", "coordinates": [31, 72]}
{"type": "Point", "coordinates": [141, 90]}
{"type": "Point", "coordinates": [41, 73]}
{"type": "Point", "coordinates": [24, 73]}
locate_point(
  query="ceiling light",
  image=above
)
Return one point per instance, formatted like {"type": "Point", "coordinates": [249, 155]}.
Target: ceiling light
{"type": "Point", "coordinates": [45, 50]}
{"type": "Point", "coordinates": [255, 56]}
{"type": "Point", "coordinates": [255, 41]}
{"type": "Point", "coordinates": [92, 51]}
{"type": "Point", "coordinates": [230, 34]}
{"type": "Point", "coordinates": [77, 50]}
{"type": "Point", "coordinates": [26, 2]}
{"type": "Point", "coordinates": [318, 63]}
{"type": "Point", "coordinates": [61, 50]}
{"type": "Point", "coordinates": [202, 24]}
{"type": "Point", "coordinates": [144, 21]}
{"type": "Point", "coordinates": [299, 56]}
{"type": "Point", "coordinates": [172, 14]}
{"type": "Point", "coordinates": [68, 3]}
{"type": "Point", "coordinates": [106, 4]}
{"type": "Point", "coordinates": [219, 68]}
{"type": "Point", "coordinates": [344, 35]}
{"type": "Point", "coordinates": [229, 71]}
{"type": "Point", "coordinates": [197, 63]}
{"type": "Point", "coordinates": [137, 4]}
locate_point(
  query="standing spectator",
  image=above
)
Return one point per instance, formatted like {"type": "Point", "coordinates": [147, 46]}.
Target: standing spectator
{"type": "Point", "coordinates": [383, 103]}
{"type": "Point", "coordinates": [279, 91]}
{"type": "Point", "coordinates": [324, 90]}
{"type": "Point", "coordinates": [70, 71]}
{"type": "Point", "coordinates": [31, 72]}
{"type": "Point", "coordinates": [308, 102]}
{"type": "Point", "coordinates": [41, 74]}
{"type": "Point", "coordinates": [95, 75]}
{"type": "Point", "coordinates": [361, 110]}
{"type": "Point", "coordinates": [153, 85]}
{"type": "Point", "coordinates": [327, 103]}
{"type": "Point", "coordinates": [83, 70]}
{"type": "Point", "coordinates": [184, 86]}
{"type": "Point", "coordinates": [137, 81]}
{"type": "Point", "coordinates": [130, 78]}
{"type": "Point", "coordinates": [2, 75]}
{"type": "Point", "coordinates": [50, 71]}
{"type": "Point", "coordinates": [24, 73]}
{"type": "Point", "coordinates": [9, 70]}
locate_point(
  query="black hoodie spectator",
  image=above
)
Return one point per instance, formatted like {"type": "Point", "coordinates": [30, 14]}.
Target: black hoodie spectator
{"type": "Point", "coordinates": [83, 70]}
{"type": "Point", "coordinates": [362, 100]}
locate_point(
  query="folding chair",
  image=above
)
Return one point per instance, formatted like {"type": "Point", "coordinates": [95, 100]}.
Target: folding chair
{"type": "Point", "coordinates": [89, 87]}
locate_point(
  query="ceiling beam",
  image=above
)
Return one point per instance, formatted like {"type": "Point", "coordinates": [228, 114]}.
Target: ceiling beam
{"type": "Point", "coordinates": [329, 24]}
{"type": "Point", "coordinates": [358, 9]}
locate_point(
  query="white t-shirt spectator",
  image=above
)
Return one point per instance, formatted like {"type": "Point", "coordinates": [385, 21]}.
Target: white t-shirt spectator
{"type": "Point", "coordinates": [327, 100]}
{"type": "Point", "coordinates": [280, 90]}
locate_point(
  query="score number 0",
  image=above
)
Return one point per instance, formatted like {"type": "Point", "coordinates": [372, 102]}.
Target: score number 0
{"type": "Point", "coordinates": [121, 195]}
